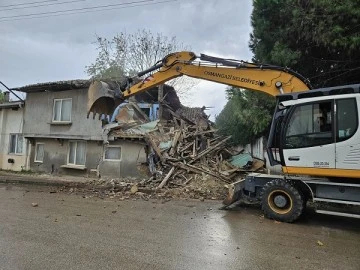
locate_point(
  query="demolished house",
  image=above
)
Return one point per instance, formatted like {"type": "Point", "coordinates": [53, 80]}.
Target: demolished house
{"type": "Point", "coordinates": [180, 145]}
{"type": "Point", "coordinates": [130, 143]}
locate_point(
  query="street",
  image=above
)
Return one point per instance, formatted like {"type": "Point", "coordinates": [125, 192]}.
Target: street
{"type": "Point", "coordinates": [67, 231]}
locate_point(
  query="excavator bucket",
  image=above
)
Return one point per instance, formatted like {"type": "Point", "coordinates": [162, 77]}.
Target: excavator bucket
{"type": "Point", "coordinates": [234, 192]}
{"type": "Point", "coordinates": [101, 99]}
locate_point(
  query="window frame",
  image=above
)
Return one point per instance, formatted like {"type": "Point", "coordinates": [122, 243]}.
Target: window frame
{"type": "Point", "coordinates": [53, 116]}
{"type": "Point", "coordinates": [112, 146]}
{"type": "Point", "coordinates": [36, 153]}
{"type": "Point", "coordinates": [337, 137]}
{"type": "Point", "coordinates": [16, 144]}
{"type": "Point", "coordinates": [291, 113]}
{"type": "Point", "coordinates": [68, 154]}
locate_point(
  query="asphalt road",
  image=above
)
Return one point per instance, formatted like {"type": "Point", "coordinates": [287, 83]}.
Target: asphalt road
{"type": "Point", "coordinates": [67, 231]}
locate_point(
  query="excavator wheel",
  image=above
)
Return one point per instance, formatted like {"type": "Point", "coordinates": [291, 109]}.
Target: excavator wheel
{"type": "Point", "coordinates": [281, 201]}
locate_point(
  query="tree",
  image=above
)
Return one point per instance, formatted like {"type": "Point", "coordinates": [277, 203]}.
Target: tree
{"type": "Point", "coordinates": [126, 54]}
{"type": "Point", "coordinates": [246, 115]}
{"type": "Point", "coordinates": [319, 39]}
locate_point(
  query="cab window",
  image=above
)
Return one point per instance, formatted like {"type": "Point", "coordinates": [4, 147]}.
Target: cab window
{"type": "Point", "coordinates": [310, 125]}
{"type": "Point", "coordinates": [347, 119]}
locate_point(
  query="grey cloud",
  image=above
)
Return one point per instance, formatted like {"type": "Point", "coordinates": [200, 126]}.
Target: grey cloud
{"type": "Point", "coordinates": [59, 48]}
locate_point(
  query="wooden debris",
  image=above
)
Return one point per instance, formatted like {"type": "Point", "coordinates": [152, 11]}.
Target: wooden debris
{"type": "Point", "coordinates": [212, 148]}
{"type": "Point", "coordinates": [154, 146]}
{"type": "Point", "coordinates": [194, 149]}
{"type": "Point", "coordinates": [174, 142]}
{"type": "Point", "coordinates": [166, 178]}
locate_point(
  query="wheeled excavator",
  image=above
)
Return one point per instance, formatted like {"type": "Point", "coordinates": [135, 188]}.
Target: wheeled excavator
{"type": "Point", "coordinates": [314, 133]}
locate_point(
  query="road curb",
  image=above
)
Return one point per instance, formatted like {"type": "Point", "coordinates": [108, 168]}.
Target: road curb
{"type": "Point", "coordinates": [42, 182]}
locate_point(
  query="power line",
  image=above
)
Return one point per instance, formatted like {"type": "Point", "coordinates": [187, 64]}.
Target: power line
{"type": "Point", "coordinates": [75, 9]}
{"type": "Point", "coordinates": [335, 71]}
{"type": "Point", "coordinates": [90, 11]}
{"type": "Point", "coordinates": [43, 5]}
{"type": "Point", "coordinates": [25, 4]}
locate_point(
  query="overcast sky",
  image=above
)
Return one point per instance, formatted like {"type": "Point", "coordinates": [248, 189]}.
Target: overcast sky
{"type": "Point", "coordinates": [59, 47]}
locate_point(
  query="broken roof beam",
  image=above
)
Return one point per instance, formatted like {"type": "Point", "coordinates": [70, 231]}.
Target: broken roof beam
{"type": "Point", "coordinates": [212, 148]}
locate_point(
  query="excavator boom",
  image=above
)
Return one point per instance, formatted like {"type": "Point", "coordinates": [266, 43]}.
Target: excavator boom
{"type": "Point", "coordinates": [269, 79]}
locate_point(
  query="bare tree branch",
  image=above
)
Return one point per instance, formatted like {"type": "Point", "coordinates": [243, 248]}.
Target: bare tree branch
{"type": "Point", "coordinates": [126, 54]}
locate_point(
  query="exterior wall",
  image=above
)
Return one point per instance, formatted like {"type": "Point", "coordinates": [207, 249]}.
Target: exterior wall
{"type": "Point", "coordinates": [133, 157]}
{"type": "Point", "coordinates": [56, 157]}
{"type": "Point", "coordinates": [39, 128]}
{"type": "Point", "coordinates": [258, 150]}
{"type": "Point", "coordinates": [39, 115]}
{"type": "Point", "coordinates": [11, 122]}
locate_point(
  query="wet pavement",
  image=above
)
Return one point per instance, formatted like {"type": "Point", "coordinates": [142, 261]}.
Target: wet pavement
{"type": "Point", "coordinates": [67, 231]}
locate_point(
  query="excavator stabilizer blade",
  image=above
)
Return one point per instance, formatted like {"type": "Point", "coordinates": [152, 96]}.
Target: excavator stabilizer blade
{"type": "Point", "coordinates": [101, 99]}
{"type": "Point", "coordinates": [234, 192]}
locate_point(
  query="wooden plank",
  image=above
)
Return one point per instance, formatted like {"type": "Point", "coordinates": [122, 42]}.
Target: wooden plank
{"type": "Point", "coordinates": [186, 147]}
{"type": "Point", "coordinates": [155, 147]}
{"type": "Point", "coordinates": [223, 178]}
{"type": "Point", "coordinates": [199, 170]}
{"type": "Point", "coordinates": [194, 149]}
{"type": "Point", "coordinates": [201, 133]}
{"type": "Point", "coordinates": [160, 127]}
{"type": "Point", "coordinates": [175, 120]}
{"type": "Point", "coordinates": [188, 181]}
{"type": "Point", "coordinates": [211, 148]}
{"type": "Point", "coordinates": [174, 142]}
{"type": "Point", "coordinates": [166, 178]}
{"type": "Point", "coordinates": [229, 172]}
{"type": "Point", "coordinates": [216, 138]}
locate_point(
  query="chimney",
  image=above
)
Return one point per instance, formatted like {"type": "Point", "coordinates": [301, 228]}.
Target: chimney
{"type": "Point", "coordinates": [6, 96]}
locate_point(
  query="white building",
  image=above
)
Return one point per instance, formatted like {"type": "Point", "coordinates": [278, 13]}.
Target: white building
{"type": "Point", "coordinates": [257, 149]}
{"type": "Point", "coordinates": [13, 146]}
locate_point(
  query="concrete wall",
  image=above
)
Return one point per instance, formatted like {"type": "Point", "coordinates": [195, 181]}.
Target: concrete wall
{"type": "Point", "coordinates": [56, 157]}
{"type": "Point", "coordinates": [39, 115]}
{"type": "Point", "coordinates": [258, 150]}
{"type": "Point", "coordinates": [11, 122]}
{"type": "Point", "coordinates": [131, 163]}
{"type": "Point", "coordinates": [40, 128]}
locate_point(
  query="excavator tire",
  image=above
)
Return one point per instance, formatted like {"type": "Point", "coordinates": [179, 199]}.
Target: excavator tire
{"type": "Point", "coordinates": [281, 201]}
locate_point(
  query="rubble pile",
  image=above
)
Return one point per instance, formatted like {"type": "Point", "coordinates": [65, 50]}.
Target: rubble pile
{"type": "Point", "coordinates": [186, 158]}
{"type": "Point", "coordinates": [201, 187]}
{"type": "Point", "coordinates": [183, 148]}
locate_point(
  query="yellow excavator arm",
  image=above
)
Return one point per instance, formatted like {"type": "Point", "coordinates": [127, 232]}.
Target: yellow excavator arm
{"type": "Point", "coordinates": [269, 79]}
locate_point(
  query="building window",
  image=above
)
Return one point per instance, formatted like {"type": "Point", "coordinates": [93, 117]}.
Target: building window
{"type": "Point", "coordinates": [77, 153]}
{"type": "Point", "coordinates": [62, 110]}
{"type": "Point", "coordinates": [310, 125]}
{"type": "Point", "coordinates": [16, 144]}
{"type": "Point", "coordinates": [112, 153]}
{"type": "Point", "coordinates": [39, 152]}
